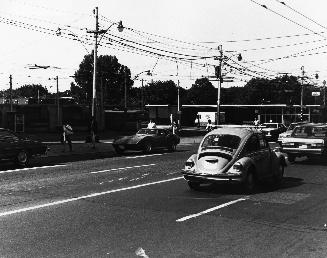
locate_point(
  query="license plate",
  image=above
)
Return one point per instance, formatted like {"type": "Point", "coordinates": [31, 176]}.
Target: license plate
{"type": "Point", "coordinates": [303, 146]}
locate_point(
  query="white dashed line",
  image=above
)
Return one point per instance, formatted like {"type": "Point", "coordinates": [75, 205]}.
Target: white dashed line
{"type": "Point", "coordinates": [123, 168]}
{"type": "Point", "coordinates": [33, 168]}
{"type": "Point", "coordinates": [210, 210]}
{"type": "Point", "coordinates": [2, 214]}
{"type": "Point", "coordinates": [145, 156]}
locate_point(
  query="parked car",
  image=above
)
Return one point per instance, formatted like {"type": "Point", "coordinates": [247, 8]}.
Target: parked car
{"type": "Point", "coordinates": [19, 149]}
{"type": "Point", "coordinates": [147, 139]}
{"type": "Point", "coordinates": [234, 155]}
{"type": "Point", "coordinates": [289, 131]}
{"type": "Point", "coordinates": [306, 140]}
{"type": "Point", "coordinates": [272, 130]}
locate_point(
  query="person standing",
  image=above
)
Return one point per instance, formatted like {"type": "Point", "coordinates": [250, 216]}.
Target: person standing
{"type": "Point", "coordinates": [67, 134]}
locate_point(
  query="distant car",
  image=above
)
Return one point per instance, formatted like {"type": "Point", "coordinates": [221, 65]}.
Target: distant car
{"type": "Point", "coordinates": [289, 131]}
{"type": "Point", "coordinates": [272, 130]}
{"type": "Point", "coordinates": [146, 140]}
{"type": "Point", "coordinates": [234, 155]}
{"type": "Point", "coordinates": [306, 140]}
{"type": "Point", "coordinates": [19, 149]}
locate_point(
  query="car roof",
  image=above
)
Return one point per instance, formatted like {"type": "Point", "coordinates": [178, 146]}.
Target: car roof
{"type": "Point", "coordinates": [238, 131]}
{"type": "Point", "coordinates": [313, 125]}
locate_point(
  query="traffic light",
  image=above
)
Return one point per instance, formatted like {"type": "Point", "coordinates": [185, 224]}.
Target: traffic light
{"type": "Point", "coordinates": [218, 71]}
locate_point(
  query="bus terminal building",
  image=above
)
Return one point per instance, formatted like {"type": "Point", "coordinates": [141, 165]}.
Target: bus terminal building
{"type": "Point", "coordinates": [240, 114]}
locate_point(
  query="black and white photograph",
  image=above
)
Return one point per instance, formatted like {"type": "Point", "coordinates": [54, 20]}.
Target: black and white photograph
{"type": "Point", "coordinates": [150, 129]}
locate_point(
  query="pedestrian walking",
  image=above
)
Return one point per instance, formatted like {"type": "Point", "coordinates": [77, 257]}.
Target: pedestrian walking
{"type": "Point", "coordinates": [67, 132]}
{"type": "Point", "coordinates": [209, 126]}
{"type": "Point", "coordinates": [93, 131]}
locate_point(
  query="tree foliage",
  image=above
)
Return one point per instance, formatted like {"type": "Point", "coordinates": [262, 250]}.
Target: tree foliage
{"type": "Point", "coordinates": [112, 79]}
{"type": "Point", "coordinates": [202, 92]}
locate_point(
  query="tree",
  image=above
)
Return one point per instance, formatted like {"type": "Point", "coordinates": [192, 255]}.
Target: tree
{"type": "Point", "coordinates": [112, 79]}
{"type": "Point", "coordinates": [31, 91]}
{"type": "Point", "coordinates": [162, 92]}
{"type": "Point", "coordinates": [202, 92]}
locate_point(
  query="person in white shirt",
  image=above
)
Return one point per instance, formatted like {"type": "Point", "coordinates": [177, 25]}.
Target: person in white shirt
{"type": "Point", "coordinates": [151, 124]}
{"type": "Point", "coordinates": [67, 133]}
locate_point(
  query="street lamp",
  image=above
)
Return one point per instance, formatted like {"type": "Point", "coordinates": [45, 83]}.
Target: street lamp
{"type": "Point", "coordinates": [96, 32]}
{"type": "Point", "coordinates": [148, 72]}
{"type": "Point", "coordinates": [75, 37]}
{"type": "Point", "coordinates": [58, 107]}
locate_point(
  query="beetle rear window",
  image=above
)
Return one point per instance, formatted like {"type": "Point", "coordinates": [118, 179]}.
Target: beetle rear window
{"type": "Point", "coordinates": [221, 140]}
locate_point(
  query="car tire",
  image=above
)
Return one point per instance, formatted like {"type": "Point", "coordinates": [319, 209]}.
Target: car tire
{"type": "Point", "coordinates": [22, 158]}
{"type": "Point", "coordinates": [119, 150]}
{"type": "Point", "coordinates": [193, 185]}
{"type": "Point", "coordinates": [291, 157]}
{"type": "Point", "coordinates": [249, 184]}
{"type": "Point", "coordinates": [172, 147]}
{"type": "Point", "coordinates": [147, 147]}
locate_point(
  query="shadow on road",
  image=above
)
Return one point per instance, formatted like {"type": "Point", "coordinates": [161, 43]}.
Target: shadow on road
{"type": "Point", "coordinates": [265, 187]}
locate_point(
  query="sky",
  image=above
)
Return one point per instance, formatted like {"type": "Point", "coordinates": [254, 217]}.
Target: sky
{"type": "Point", "coordinates": [175, 39]}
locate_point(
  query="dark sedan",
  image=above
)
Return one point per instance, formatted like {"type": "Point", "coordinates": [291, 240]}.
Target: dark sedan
{"type": "Point", "coordinates": [272, 130]}
{"type": "Point", "coordinates": [147, 139]}
{"type": "Point", "coordinates": [19, 149]}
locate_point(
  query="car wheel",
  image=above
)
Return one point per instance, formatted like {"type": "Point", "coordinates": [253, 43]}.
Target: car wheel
{"type": "Point", "coordinates": [193, 185]}
{"type": "Point", "coordinates": [172, 146]}
{"type": "Point", "coordinates": [249, 184]}
{"type": "Point", "coordinates": [147, 148]}
{"type": "Point", "coordinates": [291, 157]}
{"type": "Point", "coordinates": [119, 150]}
{"type": "Point", "coordinates": [22, 158]}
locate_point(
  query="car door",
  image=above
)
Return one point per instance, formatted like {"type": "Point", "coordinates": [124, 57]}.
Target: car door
{"type": "Point", "coordinates": [259, 155]}
{"type": "Point", "coordinates": [9, 144]}
{"type": "Point", "coordinates": [161, 138]}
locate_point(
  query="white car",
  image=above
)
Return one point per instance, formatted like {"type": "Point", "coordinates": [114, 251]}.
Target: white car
{"type": "Point", "coordinates": [289, 131]}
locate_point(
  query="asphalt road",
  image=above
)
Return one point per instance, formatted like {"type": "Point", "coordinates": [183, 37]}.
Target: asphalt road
{"type": "Point", "coordinates": [139, 206]}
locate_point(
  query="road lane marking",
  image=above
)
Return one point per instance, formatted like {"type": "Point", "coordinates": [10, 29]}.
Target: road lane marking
{"type": "Point", "coordinates": [210, 210]}
{"type": "Point", "coordinates": [123, 168]}
{"type": "Point", "coordinates": [2, 214]}
{"type": "Point", "coordinates": [145, 156]}
{"type": "Point", "coordinates": [33, 168]}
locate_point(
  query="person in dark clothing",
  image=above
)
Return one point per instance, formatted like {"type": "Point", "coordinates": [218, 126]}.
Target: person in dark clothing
{"type": "Point", "coordinates": [66, 135]}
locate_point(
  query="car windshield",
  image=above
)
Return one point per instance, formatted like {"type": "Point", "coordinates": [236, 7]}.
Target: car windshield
{"type": "Point", "coordinates": [310, 131]}
{"type": "Point", "coordinates": [291, 127]}
{"type": "Point", "coordinates": [221, 140]}
{"type": "Point", "coordinates": [270, 125]}
{"type": "Point", "coordinates": [147, 131]}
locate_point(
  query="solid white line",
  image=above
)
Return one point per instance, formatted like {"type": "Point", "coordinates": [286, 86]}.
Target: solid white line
{"type": "Point", "coordinates": [145, 156]}
{"type": "Point", "coordinates": [210, 210]}
{"type": "Point", "coordinates": [33, 168]}
{"type": "Point", "coordinates": [124, 168]}
{"type": "Point", "coordinates": [85, 197]}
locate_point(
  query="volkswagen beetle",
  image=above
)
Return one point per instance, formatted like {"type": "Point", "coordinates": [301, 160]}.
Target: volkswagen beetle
{"type": "Point", "coordinates": [234, 155]}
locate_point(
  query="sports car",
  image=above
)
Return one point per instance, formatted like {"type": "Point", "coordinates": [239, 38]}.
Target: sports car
{"type": "Point", "coordinates": [147, 139]}
{"type": "Point", "coordinates": [234, 155]}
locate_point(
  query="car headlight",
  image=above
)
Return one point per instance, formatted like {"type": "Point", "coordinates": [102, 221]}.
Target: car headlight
{"type": "Point", "coordinates": [189, 164]}
{"type": "Point", "coordinates": [236, 169]}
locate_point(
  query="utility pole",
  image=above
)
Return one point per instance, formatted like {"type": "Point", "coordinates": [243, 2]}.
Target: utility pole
{"type": "Point", "coordinates": [324, 83]}
{"type": "Point", "coordinates": [142, 96]}
{"type": "Point", "coordinates": [58, 107]}
{"type": "Point", "coordinates": [95, 57]}
{"type": "Point", "coordinates": [302, 92]}
{"type": "Point", "coordinates": [178, 102]}
{"type": "Point", "coordinates": [125, 91]}
{"type": "Point", "coordinates": [10, 92]}
{"type": "Point", "coordinates": [220, 80]}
